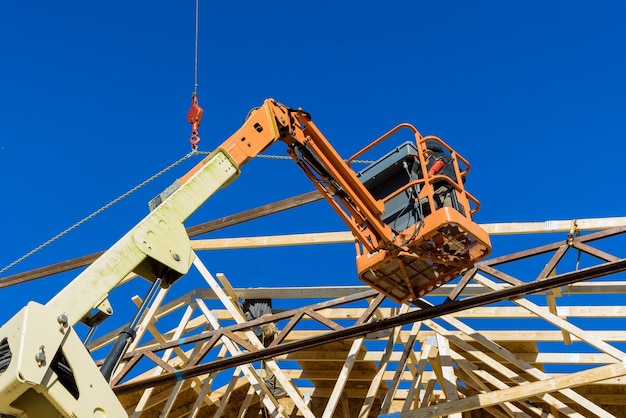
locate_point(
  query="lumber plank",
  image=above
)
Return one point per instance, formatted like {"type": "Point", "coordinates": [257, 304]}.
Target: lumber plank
{"type": "Point", "coordinates": [250, 373]}
{"type": "Point", "coordinates": [589, 224]}
{"type": "Point", "coordinates": [502, 353]}
{"type": "Point", "coordinates": [347, 237]}
{"type": "Point", "coordinates": [510, 228]}
{"type": "Point", "coordinates": [255, 213]}
{"type": "Point", "coordinates": [382, 368]}
{"type": "Point", "coordinates": [272, 241]}
{"type": "Point", "coordinates": [516, 393]}
{"type": "Point", "coordinates": [239, 318]}
{"type": "Point", "coordinates": [401, 364]}
{"type": "Point", "coordinates": [477, 379]}
{"type": "Point", "coordinates": [559, 322]}
{"type": "Point", "coordinates": [226, 221]}
{"type": "Point", "coordinates": [165, 357]}
{"type": "Point", "coordinates": [447, 370]}
{"type": "Point", "coordinates": [339, 387]}
{"type": "Point", "coordinates": [413, 396]}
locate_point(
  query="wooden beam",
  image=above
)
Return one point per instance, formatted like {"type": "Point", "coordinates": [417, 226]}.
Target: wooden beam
{"type": "Point", "coordinates": [238, 316]}
{"type": "Point", "coordinates": [581, 288]}
{"type": "Point", "coordinates": [340, 384]}
{"type": "Point", "coordinates": [203, 393]}
{"type": "Point", "coordinates": [401, 364]}
{"type": "Point", "coordinates": [447, 371]}
{"type": "Point", "coordinates": [145, 396]}
{"type": "Point", "coordinates": [345, 405]}
{"type": "Point", "coordinates": [491, 228]}
{"type": "Point", "coordinates": [483, 356]}
{"type": "Point", "coordinates": [504, 410]}
{"type": "Point", "coordinates": [347, 237]}
{"type": "Point", "coordinates": [144, 325]}
{"type": "Point", "coordinates": [557, 321]}
{"type": "Point", "coordinates": [589, 224]}
{"type": "Point", "coordinates": [250, 373]}
{"type": "Point", "coordinates": [528, 368]}
{"type": "Point", "coordinates": [273, 241]}
{"type": "Point", "coordinates": [229, 390]}
{"type": "Point", "coordinates": [353, 376]}
{"type": "Point", "coordinates": [176, 390]}
{"type": "Point", "coordinates": [193, 231]}
{"type": "Point", "coordinates": [516, 393]}
{"type": "Point", "coordinates": [413, 396]}
{"type": "Point", "coordinates": [256, 213]}
{"type": "Point", "coordinates": [427, 396]}
{"type": "Point", "coordinates": [477, 378]}
{"type": "Point", "coordinates": [305, 356]}
{"type": "Point", "coordinates": [49, 270]}
{"type": "Point", "coordinates": [382, 367]}
{"type": "Point", "coordinates": [246, 402]}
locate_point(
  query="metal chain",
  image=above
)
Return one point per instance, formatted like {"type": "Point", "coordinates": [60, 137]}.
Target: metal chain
{"type": "Point", "coordinates": [97, 212]}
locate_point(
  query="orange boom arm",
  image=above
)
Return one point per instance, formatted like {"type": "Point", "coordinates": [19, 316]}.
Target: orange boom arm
{"type": "Point", "coordinates": [413, 232]}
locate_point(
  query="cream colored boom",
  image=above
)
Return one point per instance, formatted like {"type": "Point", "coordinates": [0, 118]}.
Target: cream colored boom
{"type": "Point", "coordinates": [159, 239]}
{"type": "Point", "coordinates": [40, 342]}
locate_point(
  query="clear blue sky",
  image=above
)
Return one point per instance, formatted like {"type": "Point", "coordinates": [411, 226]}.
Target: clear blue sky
{"type": "Point", "coordinates": [94, 97]}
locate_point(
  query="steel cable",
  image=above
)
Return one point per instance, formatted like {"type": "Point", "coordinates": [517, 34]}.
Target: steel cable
{"type": "Point", "coordinates": [97, 212]}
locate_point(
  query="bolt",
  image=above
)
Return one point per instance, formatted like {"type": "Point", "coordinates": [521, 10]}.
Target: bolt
{"type": "Point", "coordinates": [63, 320]}
{"type": "Point", "coordinates": [40, 357]}
{"type": "Point", "coordinates": [176, 257]}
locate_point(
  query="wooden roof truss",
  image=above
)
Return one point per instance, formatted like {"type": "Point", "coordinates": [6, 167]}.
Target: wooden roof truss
{"type": "Point", "coordinates": [356, 354]}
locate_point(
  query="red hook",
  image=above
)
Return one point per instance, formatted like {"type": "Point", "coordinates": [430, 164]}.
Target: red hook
{"type": "Point", "coordinates": [194, 117]}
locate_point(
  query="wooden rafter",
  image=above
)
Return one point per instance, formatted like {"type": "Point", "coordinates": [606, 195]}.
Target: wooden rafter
{"type": "Point", "coordinates": [455, 345]}
{"type": "Point", "coordinates": [442, 365]}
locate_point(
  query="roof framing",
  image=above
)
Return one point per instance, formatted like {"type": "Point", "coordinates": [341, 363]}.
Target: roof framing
{"type": "Point", "coordinates": [354, 353]}
{"type": "Point", "coordinates": [422, 361]}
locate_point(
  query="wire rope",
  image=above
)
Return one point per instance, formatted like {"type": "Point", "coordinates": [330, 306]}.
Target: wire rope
{"type": "Point", "coordinates": [286, 157]}
{"type": "Point", "coordinates": [128, 193]}
{"type": "Point", "coordinates": [195, 58]}
{"type": "Point", "coordinates": [97, 212]}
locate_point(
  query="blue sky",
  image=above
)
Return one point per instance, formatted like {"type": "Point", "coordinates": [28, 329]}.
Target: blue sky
{"type": "Point", "coordinates": [94, 97]}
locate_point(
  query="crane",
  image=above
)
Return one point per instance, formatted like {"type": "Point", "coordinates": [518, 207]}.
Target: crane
{"type": "Point", "coordinates": [409, 213]}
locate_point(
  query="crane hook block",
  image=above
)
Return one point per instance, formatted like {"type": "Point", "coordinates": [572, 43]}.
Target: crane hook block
{"type": "Point", "coordinates": [194, 116]}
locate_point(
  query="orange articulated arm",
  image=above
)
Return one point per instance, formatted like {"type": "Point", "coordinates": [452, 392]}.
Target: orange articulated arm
{"type": "Point", "coordinates": [318, 159]}
{"type": "Point", "coordinates": [260, 130]}
{"type": "Point", "coordinates": [264, 126]}
{"type": "Point", "coordinates": [339, 185]}
{"type": "Point", "coordinates": [415, 235]}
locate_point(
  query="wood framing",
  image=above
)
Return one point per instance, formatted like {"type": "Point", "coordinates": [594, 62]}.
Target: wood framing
{"type": "Point", "coordinates": [443, 366]}
{"type": "Point", "coordinates": [550, 342]}
{"type": "Point", "coordinates": [448, 368]}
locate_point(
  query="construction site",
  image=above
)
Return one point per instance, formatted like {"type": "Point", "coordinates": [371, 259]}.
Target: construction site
{"type": "Point", "coordinates": [329, 269]}
{"type": "Point", "coordinates": [441, 330]}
